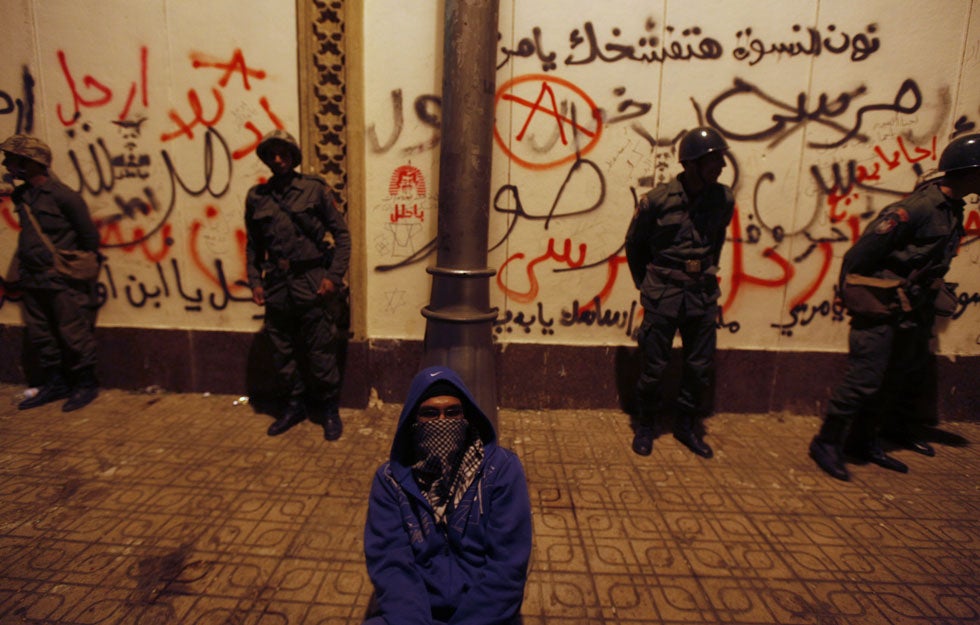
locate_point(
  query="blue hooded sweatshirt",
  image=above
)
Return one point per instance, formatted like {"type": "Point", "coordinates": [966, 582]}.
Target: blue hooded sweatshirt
{"type": "Point", "coordinates": [472, 570]}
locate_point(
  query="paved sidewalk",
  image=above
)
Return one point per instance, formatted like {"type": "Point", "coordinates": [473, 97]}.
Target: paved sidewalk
{"type": "Point", "coordinates": [164, 508]}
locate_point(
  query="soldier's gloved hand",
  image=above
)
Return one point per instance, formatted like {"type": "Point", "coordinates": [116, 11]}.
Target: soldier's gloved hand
{"type": "Point", "coordinates": [258, 296]}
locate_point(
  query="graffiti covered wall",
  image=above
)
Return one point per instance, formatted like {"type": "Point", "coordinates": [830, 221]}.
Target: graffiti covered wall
{"type": "Point", "coordinates": [153, 110]}
{"type": "Point", "coordinates": [832, 111]}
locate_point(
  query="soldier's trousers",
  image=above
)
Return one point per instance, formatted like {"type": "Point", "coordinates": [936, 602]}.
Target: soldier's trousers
{"type": "Point", "coordinates": [60, 326]}
{"type": "Point", "coordinates": [885, 370]}
{"type": "Point", "coordinates": [698, 340]}
{"type": "Point", "coordinates": [308, 335]}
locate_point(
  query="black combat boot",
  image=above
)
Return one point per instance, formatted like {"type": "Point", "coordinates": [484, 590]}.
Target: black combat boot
{"type": "Point", "coordinates": [54, 388]}
{"type": "Point", "coordinates": [294, 413]}
{"type": "Point", "coordinates": [686, 431]}
{"type": "Point", "coordinates": [643, 433]}
{"type": "Point", "coordinates": [872, 452]}
{"type": "Point", "coordinates": [906, 436]}
{"type": "Point", "coordinates": [826, 447]}
{"type": "Point", "coordinates": [84, 391]}
{"type": "Point", "coordinates": [333, 427]}
{"type": "Point", "coordinates": [917, 445]}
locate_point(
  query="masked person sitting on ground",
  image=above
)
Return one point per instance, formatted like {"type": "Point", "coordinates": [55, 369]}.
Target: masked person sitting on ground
{"type": "Point", "coordinates": [448, 532]}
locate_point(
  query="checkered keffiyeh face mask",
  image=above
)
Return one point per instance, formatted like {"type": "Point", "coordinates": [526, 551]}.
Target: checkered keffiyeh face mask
{"type": "Point", "coordinates": [443, 447]}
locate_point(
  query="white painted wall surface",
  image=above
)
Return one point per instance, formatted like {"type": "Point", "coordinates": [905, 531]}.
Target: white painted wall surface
{"type": "Point", "coordinates": [153, 110]}
{"type": "Point", "coordinates": [891, 82]}
{"type": "Point", "coordinates": [876, 102]}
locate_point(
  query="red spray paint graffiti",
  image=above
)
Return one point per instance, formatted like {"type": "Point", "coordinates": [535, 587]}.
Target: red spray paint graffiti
{"type": "Point", "coordinates": [549, 88]}
{"type": "Point", "coordinates": [236, 65]}
{"type": "Point", "coordinates": [533, 286]}
{"type": "Point", "coordinates": [103, 94]}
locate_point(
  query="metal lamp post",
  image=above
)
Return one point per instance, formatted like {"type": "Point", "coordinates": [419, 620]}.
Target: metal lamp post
{"type": "Point", "coordinates": [459, 319]}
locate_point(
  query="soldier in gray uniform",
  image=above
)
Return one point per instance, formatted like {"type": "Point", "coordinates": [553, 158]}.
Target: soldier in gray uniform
{"type": "Point", "coordinates": [673, 247]}
{"type": "Point", "coordinates": [298, 251]}
{"type": "Point", "coordinates": [910, 244]}
{"type": "Point", "coordinates": [59, 312]}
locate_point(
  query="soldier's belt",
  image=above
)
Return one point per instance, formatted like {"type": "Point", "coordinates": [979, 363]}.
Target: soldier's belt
{"type": "Point", "coordinates": [298, 266]}
{"type": "Point", "coordinates": [695, 265]}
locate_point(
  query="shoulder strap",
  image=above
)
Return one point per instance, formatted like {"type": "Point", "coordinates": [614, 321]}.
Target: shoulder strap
{"type": "Point", "coordinates": [304, 229]}
{"type": "Point", "coordinates": [44, 238]}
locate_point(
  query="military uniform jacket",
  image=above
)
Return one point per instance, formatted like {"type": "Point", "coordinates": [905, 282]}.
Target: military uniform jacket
{"type": "Point", "coordinates": [913, 239]}
{"type": "Point", "coordinates": [288, 249]}
{"type": "Point", "coordinates": [64, 218]}
{"type": "Point", "coordinates": [674, 244]}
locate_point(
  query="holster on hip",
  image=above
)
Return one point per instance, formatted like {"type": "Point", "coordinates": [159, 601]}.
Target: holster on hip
{"type": "Point", "coordinates": [868, 296]}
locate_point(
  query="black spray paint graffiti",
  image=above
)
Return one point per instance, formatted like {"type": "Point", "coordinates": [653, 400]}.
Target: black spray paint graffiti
{"type": "Point", "coordinates": [169, 286]}
{"type": "Point", "coordinates": [907, 100]}
{"type": "Point", "coordinates": [825, 110]}
{"type": "Point", "coordinates": [108, 169]}
{"type": "Point", "coordinates": [139, 294]}
{"type": "Point", "coordinates": [510, 194]}
{"type": "Point", "coordinates": [576, 314]}
{"type": "Point", "coordinates": [690, 44]}
{"type": "Point", "coordinates": [587, 174]}
{"type": "Point", "coordinates": [426, 110]}
{"type": "Point", "coordinates": [785, 121]}
{"type": "Point", "coordinates": [964, 301]}
{"type": "Point", "coordinates": [860, 46]}
{"type": "Point", "coordinates": [783, 125]}
{"type": "Point", "coordinates": [131, 164]}
{"type": "Point", "coordinates": [579, 168]}
{"type": "Point", "coordinates": [704, 49]}
{"type": "Point", "coordinates": [21, 106]}
{"type": "Point", "coordinates": [963, 125]}
{"type": "Point", "coordinates": [854, 179]}
{"type": "Point", "coordinates": [804, 314]}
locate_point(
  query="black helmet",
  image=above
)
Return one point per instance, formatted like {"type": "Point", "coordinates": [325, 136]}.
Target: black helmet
{"type": "Point", "coordinates": [961, 153]}
{"type": "Point", "coordinates": [700, 141]}
{"type": "Point", "coordinates": [283, 137]}
{"type": "Point", "coordinates": [28, 147]}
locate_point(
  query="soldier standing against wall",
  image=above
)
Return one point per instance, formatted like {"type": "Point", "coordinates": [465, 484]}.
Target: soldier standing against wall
{"type": "Point", "coordinates": [902, 255]}
{"type": "Point", "coordinates": [298, 251]}
{"type": "Point", "coordinates": [673, 246]}
{"type": "Point", "coordinates": [59, 311]}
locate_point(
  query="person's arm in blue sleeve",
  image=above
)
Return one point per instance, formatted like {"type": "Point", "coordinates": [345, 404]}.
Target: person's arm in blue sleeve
{"type": "Point", "coordinates": [399, 590]}
{"type": "Point", "coordinates": [496, 595]}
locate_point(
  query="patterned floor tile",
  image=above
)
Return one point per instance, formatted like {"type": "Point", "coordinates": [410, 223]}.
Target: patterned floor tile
{"type": "Point", "coordinates": [163, 509]}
